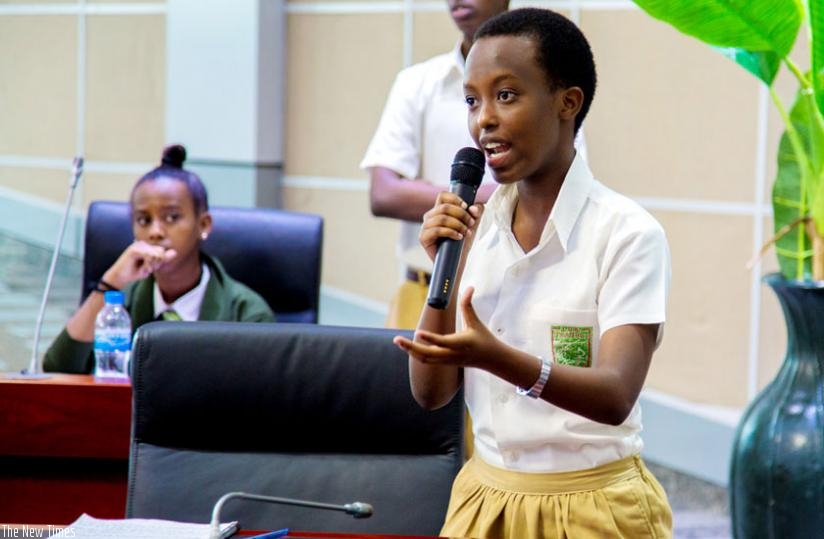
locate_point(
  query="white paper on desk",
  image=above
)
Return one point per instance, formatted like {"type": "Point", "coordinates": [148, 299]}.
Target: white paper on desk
{"type": "Point", "coordinates": [87, 527]}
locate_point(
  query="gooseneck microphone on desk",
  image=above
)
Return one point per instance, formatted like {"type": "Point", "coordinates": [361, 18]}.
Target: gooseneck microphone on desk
{"type": "Point", "coordinates": [466, 175]}
{"type": "Point", "coordinates": [356, 509]}
{"type": "Point", "coordinates": [35, 368]}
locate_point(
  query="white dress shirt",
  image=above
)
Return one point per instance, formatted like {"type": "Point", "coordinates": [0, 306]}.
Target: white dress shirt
{"type": "Point", "coordinates": [602, 261]}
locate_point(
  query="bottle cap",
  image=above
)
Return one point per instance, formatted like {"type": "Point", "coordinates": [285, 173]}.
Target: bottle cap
{"type": "Point", "coordinates": [114, 297]}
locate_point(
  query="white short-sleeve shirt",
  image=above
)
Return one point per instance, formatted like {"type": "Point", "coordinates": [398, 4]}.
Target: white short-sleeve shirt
{"type": "Point", "coordinates": [602, 261]}
{"type": "Point", "coordinates": [424, 124]}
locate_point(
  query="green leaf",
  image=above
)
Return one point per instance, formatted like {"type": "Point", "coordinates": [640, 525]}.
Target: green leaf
{"type": "Point", "coordinates": [763, 65]}
{"type": "Point", "coordinates": [797, 172]}
{"type": "Point", "coordinates": [787, 209]}
{"type": "Point", "coordinates": [807, 119]}
{"type": "Point", "coordinates": [817, 29]}
{"type": "Point", "coordinates": [761, 30]}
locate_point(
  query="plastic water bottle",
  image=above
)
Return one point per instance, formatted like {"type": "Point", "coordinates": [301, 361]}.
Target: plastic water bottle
{"type": "Point", "coordinates": [112, 339]}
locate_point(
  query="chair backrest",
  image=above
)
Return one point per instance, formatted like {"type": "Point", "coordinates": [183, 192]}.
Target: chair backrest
{"type": "Point", "coordinates": [274, 252]}
{"type": "Point", "coordinates": [319, 413]}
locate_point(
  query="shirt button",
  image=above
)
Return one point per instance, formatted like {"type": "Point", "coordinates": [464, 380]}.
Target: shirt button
{"type": "Point", "coordinates": [503, 398]}
{"type": "Point", "coordinates": [499, 331]}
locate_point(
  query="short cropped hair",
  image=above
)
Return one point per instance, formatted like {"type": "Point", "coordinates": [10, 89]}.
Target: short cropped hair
{"type": "Point", "coordinates": [562, 50]}
{"type": "Point", "coordinates": [171, 166]}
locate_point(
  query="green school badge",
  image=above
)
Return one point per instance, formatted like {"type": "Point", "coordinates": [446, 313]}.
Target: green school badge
{"type": "Point", "coordinates": [572, 345]}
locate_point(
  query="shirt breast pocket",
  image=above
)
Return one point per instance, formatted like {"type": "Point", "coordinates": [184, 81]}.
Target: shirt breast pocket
{"type": "Point", "coordinates": [568, 336]}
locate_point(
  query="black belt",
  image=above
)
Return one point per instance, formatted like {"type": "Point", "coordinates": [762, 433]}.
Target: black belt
{"type": "Point", "coordinates": [418, 276]}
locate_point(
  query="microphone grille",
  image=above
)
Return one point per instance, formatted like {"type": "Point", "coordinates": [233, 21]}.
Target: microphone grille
{"type": "Point", "coordinates": [468, 166]}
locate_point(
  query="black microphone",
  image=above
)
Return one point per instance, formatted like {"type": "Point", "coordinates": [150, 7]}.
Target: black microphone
{"type": "Point", "coordinates": [356, 509]}
{"type": "Point", "coordinates": [467, 172]}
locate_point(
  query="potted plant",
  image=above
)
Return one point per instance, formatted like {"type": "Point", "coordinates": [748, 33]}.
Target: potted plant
{"type": "Point", "coordinates": [777, 468]}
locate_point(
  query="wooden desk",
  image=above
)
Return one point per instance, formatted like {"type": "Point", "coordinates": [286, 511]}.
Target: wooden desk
{"type": "Point", "coordinates": [64, 448]}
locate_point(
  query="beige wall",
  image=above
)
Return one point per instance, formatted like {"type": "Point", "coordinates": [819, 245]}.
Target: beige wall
{"type": "Point", "coordinates": [673, 124]}
{"type": "Point", "coordinates": [332, 86]}
{"type": "Point", "coordinates": [125, 87]}
{"type": "Point", "coordinates": [38, 111]}
{"type": "Point", "coordinates": [121, 77]}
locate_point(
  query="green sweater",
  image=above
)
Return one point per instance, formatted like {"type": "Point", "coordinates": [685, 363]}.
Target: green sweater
{"type": "Point", "coordinates": [225, 300]}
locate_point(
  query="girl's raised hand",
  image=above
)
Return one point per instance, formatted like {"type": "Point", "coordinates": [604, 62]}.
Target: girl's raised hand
{"type": "Point", "coordinates": [474, 346]}
{"type": "Point", "coordinates": [138, 261]}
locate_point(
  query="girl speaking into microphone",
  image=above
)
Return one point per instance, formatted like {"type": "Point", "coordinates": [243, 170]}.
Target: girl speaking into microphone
{"type": "Point", "coordinates": [563, 288]}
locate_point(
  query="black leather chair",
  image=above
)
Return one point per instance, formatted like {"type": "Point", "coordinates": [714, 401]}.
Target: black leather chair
{"type": "Point", "coordinates": [317, 413]}
{"type": "Point", "coordinates": [276, 253]}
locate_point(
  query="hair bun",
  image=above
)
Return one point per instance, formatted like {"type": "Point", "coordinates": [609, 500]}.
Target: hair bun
{"type": "Point", "coordinates": [174, 156]}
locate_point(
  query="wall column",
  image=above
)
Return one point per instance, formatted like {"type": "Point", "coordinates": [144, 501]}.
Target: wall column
{"type": "Point", "coordinates": [225, 95]}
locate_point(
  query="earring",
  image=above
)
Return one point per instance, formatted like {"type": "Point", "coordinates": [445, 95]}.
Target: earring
{"type": "Point", "coordinates": [204, 236]}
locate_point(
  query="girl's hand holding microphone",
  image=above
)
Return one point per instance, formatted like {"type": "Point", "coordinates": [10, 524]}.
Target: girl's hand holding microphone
{"type": "Point", "coordinates": [449, 218]}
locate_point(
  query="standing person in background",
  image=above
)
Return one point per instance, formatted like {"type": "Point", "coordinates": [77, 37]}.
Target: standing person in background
{"type": "Point", "coordinates": [422, 127]}
{"type": "Point", "coordinates": [563, 297]}
{"type": "Point", "coordinates": [163, 274]}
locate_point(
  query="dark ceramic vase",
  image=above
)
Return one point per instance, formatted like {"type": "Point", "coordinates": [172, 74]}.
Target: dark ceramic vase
{"type": "Point", "coordinates": [777, 470]}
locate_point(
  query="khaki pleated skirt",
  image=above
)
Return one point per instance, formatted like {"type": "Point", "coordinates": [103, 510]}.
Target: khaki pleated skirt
{"type": "Point", "coordinates": [621, 499]}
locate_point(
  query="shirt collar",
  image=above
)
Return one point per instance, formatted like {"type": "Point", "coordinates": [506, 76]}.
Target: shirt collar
{"type": "Point", "coordinates": [188, 305]}
{"type": "Point", "coordinates": [568, 206]}
{"type": "Point", "coordinates": [572, 198]}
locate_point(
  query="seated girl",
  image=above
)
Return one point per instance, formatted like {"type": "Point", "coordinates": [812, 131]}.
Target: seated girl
{"type": "Point", "coordinates": [163, 273]}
